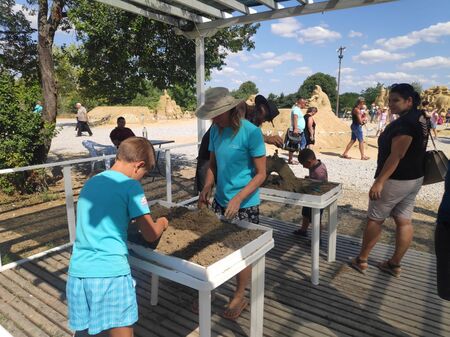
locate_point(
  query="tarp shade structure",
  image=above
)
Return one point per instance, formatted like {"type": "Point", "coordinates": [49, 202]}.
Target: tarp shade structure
{"type": "Point", "coordinates": [197, 19]}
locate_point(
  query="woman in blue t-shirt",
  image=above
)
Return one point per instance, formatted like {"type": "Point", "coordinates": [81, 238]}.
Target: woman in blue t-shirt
{"type": "Point", "coordinates": [398, 178]}
{"type": "Point", "coordinates": [238, 164]}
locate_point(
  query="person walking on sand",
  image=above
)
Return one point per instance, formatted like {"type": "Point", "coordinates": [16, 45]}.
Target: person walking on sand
{"type": "Point", "coordinates": [310, 127]}
{"type": "Point", "coordinates": [356, 128]}
{"type": "Point", "coordinates": [382, 121]}
{"type": "Point", "coordinates": [82, 120]}
{"type": "Point", "coordinates": [298, 124]}
{"type": "Point", "coordinates": [398, 178]}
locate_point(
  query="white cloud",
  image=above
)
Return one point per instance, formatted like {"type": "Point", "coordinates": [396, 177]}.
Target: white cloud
{"type": "Point", "coordinates": [378, 55]}
{"type": "Point", "coordinates": [365, 46]}
{"type": "Point", "coordinates": [302, 71]}
{"type": "Point", "coordinates": [430, 34]}
{"type": "Point", "coordinates": [268, 55]}
{"type": "Point", "coordinates": [353, 33]}
{"type": "Point", "coordinates": [346, 70]}
{"type": "Point", "coordinates": [275, 80]}
{"type": "Point", "coordinates": [317, 35]}
{"type": "Point", "coordinates": [29, 15]}
{"type": "Point", "coordinates": [226, 71]}
{"type": "Point", "coordinates": [395, 77]}
{"type": "Point", "coordinates": [286, 27]}
{"type": "Point", "coordinates": [275, 61]}
{"type": "Point", "coordinates": [431, 62]}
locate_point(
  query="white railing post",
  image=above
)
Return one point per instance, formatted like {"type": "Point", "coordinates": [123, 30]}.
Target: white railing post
{"type": "Point", "coordinates": [70, 207]}
{"type": "Point", "coordinates": [168, 175]}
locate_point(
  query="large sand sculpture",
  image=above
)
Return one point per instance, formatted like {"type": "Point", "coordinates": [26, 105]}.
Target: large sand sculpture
{"type": "Point", "coordinates": [331, 132]}
{"type": "Point", "coordinates": [439, 98]}
{"type": "Point", "coordinates": [167, 108]}
{"type": "Point", "coordinates": [132, 114]}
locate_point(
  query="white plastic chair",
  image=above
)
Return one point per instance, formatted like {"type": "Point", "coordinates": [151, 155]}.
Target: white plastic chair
{"type": "Point", "coordinates": [96, 149]}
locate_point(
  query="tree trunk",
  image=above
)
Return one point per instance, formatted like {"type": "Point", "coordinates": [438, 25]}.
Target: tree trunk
{"type": "Point", "coordinates": [47, 26]}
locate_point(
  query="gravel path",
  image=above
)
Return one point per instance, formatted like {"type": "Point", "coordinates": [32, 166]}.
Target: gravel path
{"type": "Point", "coordinates": [356, 175]}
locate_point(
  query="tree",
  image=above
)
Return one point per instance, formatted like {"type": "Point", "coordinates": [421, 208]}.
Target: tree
{"type": "Point", "coordinates": [371, 93]}
{"type": "Point", "coordinates": [245, 90]}
{"type": "Point", "coordinates": [17, 49]}
{"type": "Point", "coordinates": [347, 100]}
{"type": "Point", "coordinates": [417, 87]}
{"type": "Point", "coordinates": [327, 83]}
{"type": "Point", "coordinates": [121, 51]}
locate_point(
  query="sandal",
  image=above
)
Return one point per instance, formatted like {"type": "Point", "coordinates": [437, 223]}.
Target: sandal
{"type": "Point", "coordinates": [390, 268]}
{"type": "Point", "coordinates": [365, 158]}
{"type": "Point", "coordinates": [234, 313]}
{"type": "Point", "coordinates": [358, 264]}
{"type": "Point", "coordinates": [299, 232]}
{"type": "Point", "coordinates": [345, 156]}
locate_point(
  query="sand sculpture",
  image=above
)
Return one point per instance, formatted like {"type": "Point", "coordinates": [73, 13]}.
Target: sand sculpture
{"type": "Point", "coordinates": [109, 114]}
{"type": "Point", "coordinates": [331, 132]}
{"type": "Point", "coordinates": [285, 179]}
{"type": "Point", "coordinates": [382, 99]}
{"type": "Point", "coordinates": [439, 98]}
{"type": "Point", "coordinates": [167, 108]}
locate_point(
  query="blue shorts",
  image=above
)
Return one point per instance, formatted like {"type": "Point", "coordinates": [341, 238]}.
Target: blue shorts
{"type": "Point", "coordinates": [357, 133]}
{"type": "Point", "coordinates": [99, 304]}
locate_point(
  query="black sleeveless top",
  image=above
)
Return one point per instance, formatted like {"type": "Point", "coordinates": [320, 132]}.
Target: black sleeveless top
{"type": "Point", "coordinates": [307, 133]}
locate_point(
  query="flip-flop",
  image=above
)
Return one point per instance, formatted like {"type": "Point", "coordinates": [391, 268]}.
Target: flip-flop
{"type": "Point", "coordinates": [365, 158]}
{"type": "Point", "coordinates": [356, 262]}
{"type": "Point", "coordinates": [390, 268]}
{"type": "Point", "coordinates": [345, 157]}
{"type": "Point", "coordinates": [234, 314]}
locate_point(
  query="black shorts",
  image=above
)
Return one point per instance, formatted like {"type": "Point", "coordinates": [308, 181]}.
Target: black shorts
{"type": "Point", "coordinates": [250, 214]}
{"type": "Point", "coordinates": [442, 248]}
{"type": "Point", "coordinates": [307, 211]}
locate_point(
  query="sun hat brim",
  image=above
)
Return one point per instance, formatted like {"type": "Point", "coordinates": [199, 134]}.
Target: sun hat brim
{"type": "Point", "coordinates": [204, 112]}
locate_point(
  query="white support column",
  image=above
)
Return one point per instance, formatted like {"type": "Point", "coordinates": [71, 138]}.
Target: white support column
{"type": "Point", "coordinates": [200, 80]}
{"type": "Point", "coordinates": [70, 207]}
{"type": "Point", "coordinates": [204, 313]}
{"type": "Point", "coordinates": [332, 232]}
{"type": "Point", "coordinates": [315, 241]}
{"type": "Point", "coordinates": [257, 298]}
{"type": "Point", "coordinates": [168, 175]}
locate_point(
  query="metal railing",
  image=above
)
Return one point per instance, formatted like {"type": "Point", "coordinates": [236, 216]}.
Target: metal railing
{"type": "Point", "coordinates": [69, 194]}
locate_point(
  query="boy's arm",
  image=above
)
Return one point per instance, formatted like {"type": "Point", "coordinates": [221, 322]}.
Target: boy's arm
{"type": "Point", "coordinates": [150, 229]}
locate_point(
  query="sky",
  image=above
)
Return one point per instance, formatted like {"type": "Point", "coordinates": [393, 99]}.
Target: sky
{"type": "Point", "coordinates": [400, 41]}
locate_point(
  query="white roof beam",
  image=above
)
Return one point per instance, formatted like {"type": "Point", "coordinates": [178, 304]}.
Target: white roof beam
{"type": "Point", "coordinates": [204, 8]}
{"type": "Point", "coordinates": [139, 11]}
{"type": "Point", "coordinates": [236, 5]}
{"type": "Point", "coordinates": [318, 7]}
{"type": "Point", "coordinates": [171, 10]}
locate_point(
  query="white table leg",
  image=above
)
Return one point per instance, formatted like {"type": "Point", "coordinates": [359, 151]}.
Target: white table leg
{"type": "Point", "coordinates": [332, 232]}
{"type": "Point", "coordinates": [154, 290]}
{"type": "Point", "coordinates": [315, 214]}
{"type": "Point", "coordinates": [257, 298]}
{"type": "Point", "coordinates": [204, 313]}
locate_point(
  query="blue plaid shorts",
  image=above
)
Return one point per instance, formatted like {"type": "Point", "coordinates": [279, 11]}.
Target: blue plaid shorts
{"type": "Point", "coordinates": [99, 304]}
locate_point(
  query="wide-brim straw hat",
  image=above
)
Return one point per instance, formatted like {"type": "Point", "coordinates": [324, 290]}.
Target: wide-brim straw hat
{"type": "Point", "coordinates": [217, 101]}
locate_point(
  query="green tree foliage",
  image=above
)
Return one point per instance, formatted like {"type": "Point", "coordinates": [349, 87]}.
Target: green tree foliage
{"type": "Point", "coordinates": [185, 96]}
{"type": "Point", "coordinates": [18, 53]}
{"type": "Point", "coordinates": [371, 93]}
{"type": "Point", "coordinates": [22, 132]}
{"type": "Point", "coordinates": [121, 51]}
{"type": "Point", "coordinates": [327, 83]}
{"type": "Point", "coordinates": [347, 101]}
{"type": "Point", "coordinates": [150, 96]}
{"type": "Point", "coordinates": [245, 90]}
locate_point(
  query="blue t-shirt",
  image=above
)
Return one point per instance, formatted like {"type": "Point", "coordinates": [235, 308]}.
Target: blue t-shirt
{"type": "Point", "coordinates": [300, 118]}
{"type": "Point", "coordinates": [38, 109]}
{"type": "Point", "coordinates": [106, 205]}
{"type": "Point", "coordinates": [234, 161]}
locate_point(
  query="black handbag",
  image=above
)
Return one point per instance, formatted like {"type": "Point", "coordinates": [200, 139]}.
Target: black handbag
{"type": "Point", "coordinates": [292, 141]}
{"type": "Point", "coordinates": [436, 165]}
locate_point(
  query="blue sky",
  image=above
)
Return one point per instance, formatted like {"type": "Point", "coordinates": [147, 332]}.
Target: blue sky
{"type": "Point", "coordinates": [400, 41]}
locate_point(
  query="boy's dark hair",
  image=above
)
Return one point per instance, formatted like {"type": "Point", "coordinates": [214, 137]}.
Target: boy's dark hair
{"type": "Point", "coordinates": [120, 119]}
{"type": "Point", "coordinates": [136, 149]}
{"type": "Point", "coordinates": [305, 155]}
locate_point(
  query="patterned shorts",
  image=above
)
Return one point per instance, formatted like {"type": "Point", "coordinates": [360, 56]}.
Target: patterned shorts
{"type": "Point", "coordinates": [99, 304]}
{"type": "Point", "coordinates": [250, 214]}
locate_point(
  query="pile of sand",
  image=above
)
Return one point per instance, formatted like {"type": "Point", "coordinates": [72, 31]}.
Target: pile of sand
{"type": "Point", "coordinates": [132, 114]}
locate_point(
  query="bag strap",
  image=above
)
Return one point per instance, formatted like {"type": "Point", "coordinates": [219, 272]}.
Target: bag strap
{"type": "Point", "coordinates": [430, 137]}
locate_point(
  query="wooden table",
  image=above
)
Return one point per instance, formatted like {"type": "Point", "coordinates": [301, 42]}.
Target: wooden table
{"type": "Point", "coordinates": [328, 201]}
{"type": "Point", "coordinates": [206, 279]}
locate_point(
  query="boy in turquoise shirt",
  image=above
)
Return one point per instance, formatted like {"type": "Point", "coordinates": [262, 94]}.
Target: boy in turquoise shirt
{"type": "Point", "coordinates": [100, 289]}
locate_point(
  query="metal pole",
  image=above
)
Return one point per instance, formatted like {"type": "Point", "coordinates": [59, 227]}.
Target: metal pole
{"type": "Point", "coordinates": [340, 56]}
{"type": "Point", "coordinates": [200, 79]}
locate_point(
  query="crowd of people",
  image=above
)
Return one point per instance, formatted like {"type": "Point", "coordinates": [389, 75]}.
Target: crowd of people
{"type": "Point", "coordinates": [232, 158]}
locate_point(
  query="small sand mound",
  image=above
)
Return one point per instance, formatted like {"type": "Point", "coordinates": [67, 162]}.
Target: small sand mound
{"type": "Point", "coordinates": [132, 114]}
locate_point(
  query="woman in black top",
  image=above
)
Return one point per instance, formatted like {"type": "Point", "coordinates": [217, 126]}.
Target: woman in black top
{"type": "Point", "coordinates": [310, 126]}
{"type": "Point", "coordinates": [398, 178]}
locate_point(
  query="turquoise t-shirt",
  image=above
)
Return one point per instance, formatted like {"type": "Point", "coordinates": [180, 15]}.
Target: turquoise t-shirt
{"type": "Point", "coordinates": [300, 118]}
{"type": "Point", "coordinates": [38, 109]}
{"type": "Point", "coordinates": [106, 205]}
{"type": "Point", "coordinates": [234, 161]}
